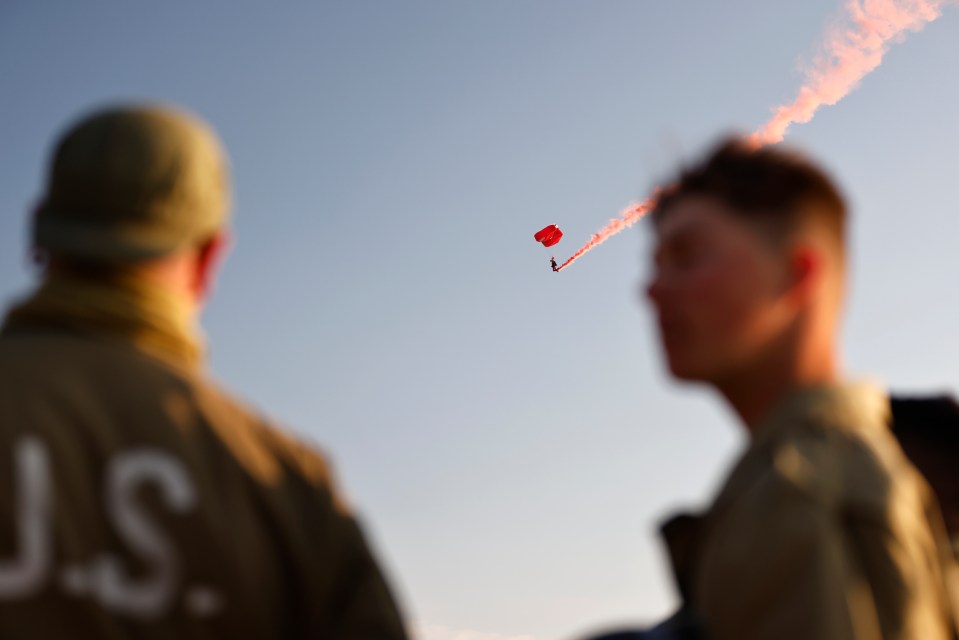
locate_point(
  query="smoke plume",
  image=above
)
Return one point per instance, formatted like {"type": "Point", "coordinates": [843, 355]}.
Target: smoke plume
{"type": "Point", "coordinates": [853, 46]}
{"type": "Point", "coordinates": [630, 216]}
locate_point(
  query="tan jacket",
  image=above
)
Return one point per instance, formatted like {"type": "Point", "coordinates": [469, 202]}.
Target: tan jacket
{"type": "Point", "coordinates": [138, 500]}
{"type": "Point", "coordinates": [823, 531]}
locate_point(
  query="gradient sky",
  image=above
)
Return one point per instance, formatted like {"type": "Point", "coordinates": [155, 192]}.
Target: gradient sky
{"type": "Point", "coordinates": [508, 435]}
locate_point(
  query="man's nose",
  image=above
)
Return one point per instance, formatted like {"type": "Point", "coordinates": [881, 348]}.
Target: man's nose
{"type": "Point", "coordinates": [652, 290]}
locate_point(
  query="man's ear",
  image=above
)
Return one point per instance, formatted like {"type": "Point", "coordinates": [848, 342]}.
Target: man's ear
{"type": "Point", "coordinates": [208, 259]}
{"type": "Point", "coordinates": [805, 269]}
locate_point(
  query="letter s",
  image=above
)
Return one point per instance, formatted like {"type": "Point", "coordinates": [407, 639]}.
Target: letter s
{"type": "Point", "coordinates": [153, 595]}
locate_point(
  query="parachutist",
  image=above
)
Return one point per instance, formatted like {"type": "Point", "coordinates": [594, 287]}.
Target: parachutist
{"type": "Point", "coordinates": [552, 263]}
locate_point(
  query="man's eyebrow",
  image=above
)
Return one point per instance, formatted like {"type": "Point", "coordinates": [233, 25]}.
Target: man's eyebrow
{"type": "Point", "coordinates": [684, 235]}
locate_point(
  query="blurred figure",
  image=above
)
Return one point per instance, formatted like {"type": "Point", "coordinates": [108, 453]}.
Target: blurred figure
{"type": "Point", "coordinates": [928, 430]}
{"type": "Point", "coordinates": [823, 530]}
{"type": "Point", "coordinates": [138, 499]}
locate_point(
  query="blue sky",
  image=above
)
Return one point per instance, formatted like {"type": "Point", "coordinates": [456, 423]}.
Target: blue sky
{"type": "Point", "coordinates": [508, 434]}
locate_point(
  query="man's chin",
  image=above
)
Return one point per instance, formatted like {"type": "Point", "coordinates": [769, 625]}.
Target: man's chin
{"type": "Point", "coordinates": [686, 371]}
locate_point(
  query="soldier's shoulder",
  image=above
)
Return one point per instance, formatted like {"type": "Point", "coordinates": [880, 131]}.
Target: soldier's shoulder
{"type": "Point", "coordinates": [856, 468]}
{"type": "Point", "coordinates": [266, 449]}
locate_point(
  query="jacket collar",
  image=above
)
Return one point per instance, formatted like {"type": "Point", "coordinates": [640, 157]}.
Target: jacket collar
{"type": "Point", "coordinates": [857, 407]}
{"type": "Point", "coordinates": [127, 309]}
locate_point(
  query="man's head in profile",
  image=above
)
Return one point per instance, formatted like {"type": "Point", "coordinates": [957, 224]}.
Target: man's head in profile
{"type": "Point", "coordinates": [749, 269]}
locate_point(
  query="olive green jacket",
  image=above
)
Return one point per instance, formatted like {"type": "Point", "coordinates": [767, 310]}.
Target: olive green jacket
{"type": "Point", "coordinates": [139, 500]}
{"type": "Point", "coordinates": [823, 530]}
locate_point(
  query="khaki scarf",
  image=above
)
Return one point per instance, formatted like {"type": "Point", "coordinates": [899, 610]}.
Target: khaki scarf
{"type": "Point", "coordinates": [126, 308]}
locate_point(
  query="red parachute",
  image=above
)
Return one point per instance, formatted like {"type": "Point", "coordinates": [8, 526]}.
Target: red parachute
{"type": "Point", "coordinates": [548, 235]}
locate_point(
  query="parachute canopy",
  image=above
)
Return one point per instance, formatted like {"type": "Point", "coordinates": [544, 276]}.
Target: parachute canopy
{"type": "Point", "coordinates": [548, 235]}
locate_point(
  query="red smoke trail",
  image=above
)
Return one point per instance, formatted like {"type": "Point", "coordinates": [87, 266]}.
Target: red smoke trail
{"type": "Point", "coordinates": [852, 49]}
{"type": "Point", "coordinates": [626, 219]}
{"type": "Point", "coordinates": [853, 46]}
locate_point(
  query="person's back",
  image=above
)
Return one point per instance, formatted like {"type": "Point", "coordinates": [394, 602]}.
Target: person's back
{"type": "Point", "coordinates": [141, 500]}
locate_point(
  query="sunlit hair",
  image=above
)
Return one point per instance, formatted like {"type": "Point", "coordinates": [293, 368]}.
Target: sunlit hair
{"type": "Point", "coordinates": [774, 189]}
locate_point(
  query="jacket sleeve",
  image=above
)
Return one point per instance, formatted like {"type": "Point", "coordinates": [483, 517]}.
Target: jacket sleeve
{"type": "Point", "coordinates": [784, 572]}
{"type": "Point", "coordinates": [898, 548]}
{"type": "Point", "coordinates": [362, 604]}
{"type": "Point", "coordinates": [336, 589]}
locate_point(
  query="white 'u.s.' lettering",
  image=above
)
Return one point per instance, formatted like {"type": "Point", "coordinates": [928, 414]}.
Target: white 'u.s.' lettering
{"type": "Point", "coordinates": [104, 579]}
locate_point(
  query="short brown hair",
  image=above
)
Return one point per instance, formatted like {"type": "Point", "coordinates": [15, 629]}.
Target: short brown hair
{"type": "Point", "coordinates": [773, 188]}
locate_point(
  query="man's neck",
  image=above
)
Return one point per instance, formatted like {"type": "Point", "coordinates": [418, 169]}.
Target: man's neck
{"type": "Point", "coordinates": [169, 275]}
{"type": "Point", "coordinates": [754, 394]}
